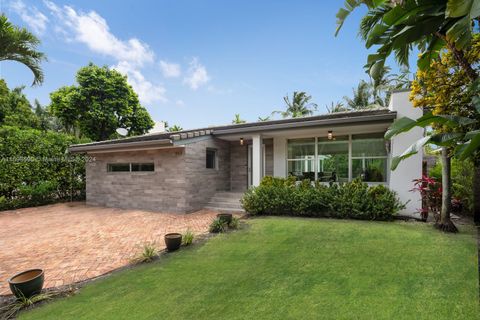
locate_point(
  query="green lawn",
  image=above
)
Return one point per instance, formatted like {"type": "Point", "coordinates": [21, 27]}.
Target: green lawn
{"type": "Point", "coordinates": [289, 268]}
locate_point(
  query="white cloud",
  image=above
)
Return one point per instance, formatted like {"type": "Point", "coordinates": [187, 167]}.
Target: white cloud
{"type": "Point", "coordinates": [170, 70]}
{"type": "Point", "coordinates": [197, 75]}
{"type": "Point", "coordinates": [180, 103]}
{"type": "Point", "coordinates": [92, 30]}
{"type": "Point", "coordinates": [36, 20]}
{"type": "Point", "coordinates": [146, 90]}
{"type": "Point", "coordinates": [130, 55]}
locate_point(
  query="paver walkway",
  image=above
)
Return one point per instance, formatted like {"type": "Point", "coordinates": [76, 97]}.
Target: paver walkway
{"type": "Point", "coordinates": [74, 241]}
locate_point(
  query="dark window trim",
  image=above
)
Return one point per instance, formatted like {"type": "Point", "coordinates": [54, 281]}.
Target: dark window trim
{"type": "Point", "coordinates": [215, 158]}
{"type": "Point", "coordinates": [130, 165]}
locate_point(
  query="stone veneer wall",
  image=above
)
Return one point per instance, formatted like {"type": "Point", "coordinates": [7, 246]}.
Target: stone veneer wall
{"type": "Point", "coordinates": [203, 183]}
{"type": "Point", "coordinates": [162, 190]}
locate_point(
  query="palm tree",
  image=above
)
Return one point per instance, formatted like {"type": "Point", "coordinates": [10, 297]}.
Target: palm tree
{"type": "Point", "coordinates": [237, 119]}
{"type": "Point", "coordinates": [299, 106]}
{"type": "Point", "coordinates": [175, 128]}
{"type": "Point", "coordinates": [336, 107]}
{"type": "Point", "coordinates": [362, 97]}
{"type": "Point", "coordinates": [18, 44]}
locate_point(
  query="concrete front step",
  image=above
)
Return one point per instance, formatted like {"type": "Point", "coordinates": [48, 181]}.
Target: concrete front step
{"type": "Point", "coordinates": [225, 200]}
{"type": "Point", "coordinates": [219, 204]}
{"type": "Point", "coordinates": [225, 194]}
{"type": "Point", "coordinates": [225, 210]}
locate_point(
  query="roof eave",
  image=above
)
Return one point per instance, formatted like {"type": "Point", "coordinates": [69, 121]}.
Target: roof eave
{"type": "Point", "coordinates": [152, 144]}
{"type": "Point", "coordinates": [321, 122]}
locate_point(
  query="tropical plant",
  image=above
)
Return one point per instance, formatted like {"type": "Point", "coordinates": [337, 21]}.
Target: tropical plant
{"type": "Point", "coordinates": [336, 107]}
{"type": "Point", "coordinates": [362, 97]}
{"type": "Point", "coordinates": [102, 102]}
{"type": "Point", "coordinates": [187, 238]}
{"type": "Point", "coordinates": [267, 118]}
{"type": "Point", "coordinates": [397, 26]}
{"type": "Point", "coordinates": [217, 226]}
{"type": "Point", "coordinates": [18, 44]}
{"type": "Point", "coordinates": [234, 223]}
{"type": "Point", "coordinates": [299, 106]}
{"type": "Point", "coordinates": [175, 128]}
{"type": "Point", "coordinates": [237, 119]}
{"type": "Point", "coordinates": [148, 253]}
{"type": "Point", "coordinates": [431, 192]}
{"type": "Point", "coordinates": [10, 310]}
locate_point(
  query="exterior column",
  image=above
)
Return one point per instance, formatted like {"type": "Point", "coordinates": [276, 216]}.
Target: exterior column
{"type": "Point", "coordinates": [256, 160]}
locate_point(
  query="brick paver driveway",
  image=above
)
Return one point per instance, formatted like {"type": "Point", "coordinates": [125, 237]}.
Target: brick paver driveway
{"type": "Point", "coordinates": [74, 242]}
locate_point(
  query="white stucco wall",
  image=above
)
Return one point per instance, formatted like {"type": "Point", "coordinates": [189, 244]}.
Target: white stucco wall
{"type": "Point", "coordinates": [411, 168]}
{"type": "Point", "coordinates": [279, 157]}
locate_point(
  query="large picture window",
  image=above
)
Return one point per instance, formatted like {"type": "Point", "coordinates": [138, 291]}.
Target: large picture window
{"type": "Point", "coordinates": [340, 159]}
{"type": "Point", "coordinates": [301, 158]}
{"type": "Point", "coordinates": [369, 157]}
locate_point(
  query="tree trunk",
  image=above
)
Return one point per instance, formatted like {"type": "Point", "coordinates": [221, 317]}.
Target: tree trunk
{"type": "Point", "coordinates": [445, 223]}
{"type": "Point", "coordinates": [476, 193]}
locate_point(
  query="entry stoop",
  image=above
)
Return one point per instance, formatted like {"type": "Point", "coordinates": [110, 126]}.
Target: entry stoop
{"type": "Point", "coordinates": [226, 202]}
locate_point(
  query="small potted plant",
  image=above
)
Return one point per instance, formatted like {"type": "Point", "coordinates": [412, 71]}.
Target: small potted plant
{"type": "Point", "coordinates": [173, 241]}
{"type": "Point", "coordinates": [225, 217]}
{"type": "Point", "coordinates": [27, 283]}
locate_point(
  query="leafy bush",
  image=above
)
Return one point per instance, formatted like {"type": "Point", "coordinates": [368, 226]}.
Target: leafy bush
{"type": "Point", "coordinates": [462, 183]}
{"type": "Point", "coordinates": [35, 169]}
{"type": "Point", "coordinates": [187, 238]}
{"type": "Point", "coordinates": [234, 223]}
{"type": "Point", "coordinates": [217, 226]}
{"type": "Point", "coordinates": [356, 200]}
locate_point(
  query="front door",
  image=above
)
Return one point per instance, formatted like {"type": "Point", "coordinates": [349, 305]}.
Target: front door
{"type": "Point", "coordinates": [249, 166]}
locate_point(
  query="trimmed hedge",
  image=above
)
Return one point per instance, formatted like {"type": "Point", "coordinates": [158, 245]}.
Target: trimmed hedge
{"type": "Point", "coordinates": [35, 168]}
{"type": "Point", "coordinates": [353, 200]}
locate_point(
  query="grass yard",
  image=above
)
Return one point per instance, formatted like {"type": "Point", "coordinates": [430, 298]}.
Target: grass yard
{"type": "Point", "coordinates": [292, 268]}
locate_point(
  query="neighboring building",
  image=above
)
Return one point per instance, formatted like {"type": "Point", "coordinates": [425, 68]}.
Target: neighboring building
{"type": "Point", "coordinates": [182, 171]}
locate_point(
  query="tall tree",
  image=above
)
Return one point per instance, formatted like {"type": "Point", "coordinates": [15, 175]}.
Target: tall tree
{"type": "Point", "coordinates": [299, 106]}
{"type": "Point", "coordinates": [18, 44]}
{"type": "Point", "coordinates": [102, 102]}
{"type": "Point", "coordinates": [15, 109]}
{"type": "Point", "coordinates": [396, 27]}
{"type": "Point", "coordinates": [237, 119]}
{"type": "Point", "coordinates": [362, 97]}
{"type": "Point", "coordinates": [336, 107]}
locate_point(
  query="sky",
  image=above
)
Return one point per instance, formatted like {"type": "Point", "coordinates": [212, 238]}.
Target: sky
{"type": "Point", "coordinates": [196, 63]}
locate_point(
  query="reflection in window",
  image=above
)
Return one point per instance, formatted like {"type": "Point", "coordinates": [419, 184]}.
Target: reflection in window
{"type": "Point", "coordinates": [333, 159]}
{"type": "Point", "coordinates": [369, 157]}
{"type": "Point", "coordinates": [301, 156]}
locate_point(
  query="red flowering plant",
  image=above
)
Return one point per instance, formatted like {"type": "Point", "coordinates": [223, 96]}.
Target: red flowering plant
{"type": "Point", "coordinates": [431, 191]}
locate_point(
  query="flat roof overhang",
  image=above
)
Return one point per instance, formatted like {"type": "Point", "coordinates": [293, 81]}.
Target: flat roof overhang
{"type": "Point", "coordinates": [125, 146]}
{"type": "Point", "coordinates": [319, 123]}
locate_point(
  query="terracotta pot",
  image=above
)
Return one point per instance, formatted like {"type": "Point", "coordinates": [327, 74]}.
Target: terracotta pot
{"type": "Point", "coordinates": [225, 217]}
{"type": "Point", "coordinates": [27, 283]}
{"type": "Point", "coordinates": [173, 241]}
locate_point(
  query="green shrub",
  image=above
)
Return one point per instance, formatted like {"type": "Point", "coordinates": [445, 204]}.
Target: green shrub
{"type": "Point", "coordinates": [35, 168]}
{"type": "Point", "coordinates": [148, 252]}
{"type": "Point", "coordinates": [234, 224]}
{"type": "Point", "coordinates": [217, 226]}
{"type": "Point", "coordinates": [354, 200]}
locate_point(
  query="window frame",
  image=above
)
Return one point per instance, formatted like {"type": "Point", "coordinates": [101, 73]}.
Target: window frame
{"type": "Point", "coordinates": [350, 157]}
{"type": "Point", "coordinates": [109, 164]}
{"type": "Point", "coordinates": [215, 158]}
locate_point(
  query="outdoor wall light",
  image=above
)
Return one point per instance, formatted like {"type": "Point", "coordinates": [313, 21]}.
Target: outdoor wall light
{"type": "Point", "coordinates": [330, 135]}
{"type": "Point", "coordinates": [241, 141]}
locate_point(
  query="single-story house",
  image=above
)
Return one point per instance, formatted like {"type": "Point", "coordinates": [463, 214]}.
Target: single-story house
{"type": "Point", "coordinates": [183, 171]}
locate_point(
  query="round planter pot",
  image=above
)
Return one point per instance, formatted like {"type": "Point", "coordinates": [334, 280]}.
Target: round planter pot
{"type": "Point", "coordinates": [225, 217]}
{"type": "Point", "coordinates": [27, 283]}
{"type": "Point", "coordinates": [173, 241]}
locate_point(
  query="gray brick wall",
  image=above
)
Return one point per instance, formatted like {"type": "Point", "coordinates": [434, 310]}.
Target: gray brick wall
{"type": "Point", "coordinates": [238, 166]}
{"type": "Point", "coordinates": [203, 183]}
{"type": "Point", "coordinates": [162, 190]}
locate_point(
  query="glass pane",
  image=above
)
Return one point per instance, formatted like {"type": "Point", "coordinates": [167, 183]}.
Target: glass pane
{"type": "Point", "coordinates": [370, 170]}
{"type": "Point", "coordinates": [301, 148]}
{"type": "Point", "coordinates": [210, 159]}
{"type": "Point", "coordinates": [302, 169]}
{"type": "Point", "coordinates": [333, 160]}
{"type": "Point", "coordinates": [118, 167]}
{"type": "Point", "coordinates": [143, 167]}
{"type": "Point", "coordinates": [366, 145]}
